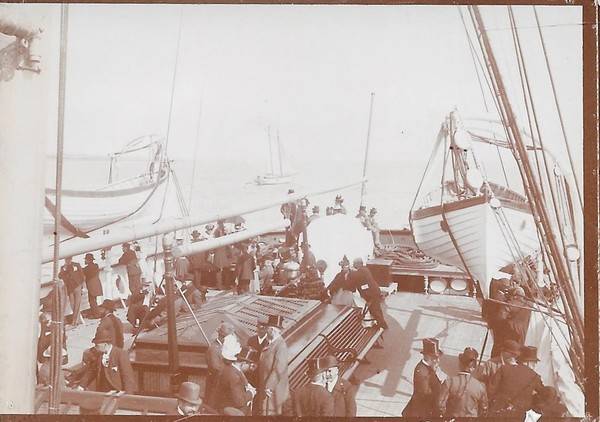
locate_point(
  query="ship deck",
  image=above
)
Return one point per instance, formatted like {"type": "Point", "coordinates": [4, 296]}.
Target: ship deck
{"type": "Point", "coordinates": [386, 381]}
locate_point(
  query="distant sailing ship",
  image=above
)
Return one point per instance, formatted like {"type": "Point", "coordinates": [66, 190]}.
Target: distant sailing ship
{"type": "Point", "coordinates": [284, 176]}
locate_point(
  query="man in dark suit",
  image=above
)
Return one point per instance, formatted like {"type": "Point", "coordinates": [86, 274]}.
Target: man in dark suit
{"type": "Point", "coordinates": [343, 392]}
{"type": "Point", "coordinates": [518, 322]}
{"type": "Point", "coordinates": [110, 370]}
{"type": "Point", "coordinates": [215, 362]}
{"type": "Point", "coordinates": [273, 377]}
{"type": "Point", "coordinates": [189, 401]}
{"type": "Point", "coordinates": [245, 267]}
{"type": "Point", "coordinates": [486, 371]}
{"type": "Point", "coordinates": [313, 400]}
{"type": "Point", "coordinates": [72, 275]}
{"type": "Point", "coordinates": [92, 281]}
{"type": "Point", "coordinates": [462, 395]}
{"type": "Point", "coordinates": [341, 289]}
{"type": "Point", "coordinates": [134, 271]}
{"type": "Point", "coordinates": [259, 341]}
{"type": "Point", "coordinates": [513, 387]}
{"type": "Point", "coordinates": [427, 381]}
{"type": "Point", "coordinates": [234, 390]}
{"type": "Point", "coordinates": [111, 323]}
{"type": "Point", "coordinates": [369, 290]}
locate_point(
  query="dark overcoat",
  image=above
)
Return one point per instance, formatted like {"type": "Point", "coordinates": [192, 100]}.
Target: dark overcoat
{"type": "Point", "coordinates": [314, 401]}
{"type": "Point", "coordinates": [426, 389]}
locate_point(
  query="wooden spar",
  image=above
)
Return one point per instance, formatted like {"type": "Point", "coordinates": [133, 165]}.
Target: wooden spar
{"type": "Point", "coordinates": [556, 258]}
{"type": "Point", "coordinates": [364, 174]}
{"type": "Point", "coordinates": [28, 117]}
{"type": "Point", "coordinates": [229, 239]}
{"type": "Point", "coordinates": [136, 232]}
{"type": "Point", "coordinates": [58, 295]}
{"type": "Point", "coordinates": [170, 290]}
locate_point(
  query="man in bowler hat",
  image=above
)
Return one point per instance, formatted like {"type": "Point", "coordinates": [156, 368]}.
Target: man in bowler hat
{"type": "Point", "coordinates": [72, 275]}
{"type": "Point", "coordinates": [426, 383]}
{"type": "Point", "coordinates": [343, 392]}
{"type": "Point", "coordinates": [111, 370]}
{"type": "Point", "coordinates": [189, 401]}
{"type": "Point", "coordinates": [513, 387]}
{"type": "Point", "coordinates": [91, 272]}
{"type": "Point", "coordinates": [463, 395]}
{"type": "Point", "coordinates": [313, 399]}
{"type": "Point", "coordinates": [111, 323]}
{"type": "Point", "coordinates": [485, 372]}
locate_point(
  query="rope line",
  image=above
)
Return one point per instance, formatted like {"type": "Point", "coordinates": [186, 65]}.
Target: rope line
{"type": "Point", "coordinates": [560, 118]}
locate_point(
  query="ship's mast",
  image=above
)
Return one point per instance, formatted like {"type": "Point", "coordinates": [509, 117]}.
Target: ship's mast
{"type": "Point", "coordinates": [270, 150]}
{"type": "Point", "coordinates": [58, 293]}
{"type": "Point", "coordinates": [556, 258]}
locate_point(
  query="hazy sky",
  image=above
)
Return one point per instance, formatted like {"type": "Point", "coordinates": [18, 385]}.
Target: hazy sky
{"type": "Point", "coordinates": [307, 70]}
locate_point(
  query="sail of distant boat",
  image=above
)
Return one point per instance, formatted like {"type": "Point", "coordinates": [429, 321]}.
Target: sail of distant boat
{"type": "Point", "coordinates": [280, 171]}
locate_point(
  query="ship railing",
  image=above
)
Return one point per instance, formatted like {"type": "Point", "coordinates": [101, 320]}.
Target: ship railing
{"type": "Point", "coordinates": [105, 403]}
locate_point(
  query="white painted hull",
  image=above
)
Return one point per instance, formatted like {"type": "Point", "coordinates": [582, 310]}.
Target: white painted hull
{"type": "Point", "coordinates": [87, 210]}
{"type": "Point", "coordinates": [478, 235]}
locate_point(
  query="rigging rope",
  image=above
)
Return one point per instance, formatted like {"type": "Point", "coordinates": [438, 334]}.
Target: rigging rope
{"type": "Point", "coordinates": [527, 101]}
{"type": "Point", "coordinates": [566, 285]}
{"type": "Point", "coordinates": [560, 118]}
{"type": "Point", "coordinates": [532, 190]}
{"type": "Point", "coordinates": [196, 143]}
{"type": "Point", "coordinates": [440, 136]}
{"type": "Point", "coordinates": [529, 96]}
{"type": "Point", "coordinates": [177, 52]}
{"type": "Point", "coordinates": [473, 57]}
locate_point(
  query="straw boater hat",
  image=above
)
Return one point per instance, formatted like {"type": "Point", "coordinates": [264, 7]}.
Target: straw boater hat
{"type": "Point", "coordinates": [189, 392]}
{"type": "Point", "coordinates": [431, 347]}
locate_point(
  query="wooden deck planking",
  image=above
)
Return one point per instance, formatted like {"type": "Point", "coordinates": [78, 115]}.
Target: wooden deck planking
{"type": "Point", "coordinates": [386, 382]}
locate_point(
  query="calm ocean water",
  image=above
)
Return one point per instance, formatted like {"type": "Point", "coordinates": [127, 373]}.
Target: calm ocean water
{"type": "Point", "coordinates": [213, 186]}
